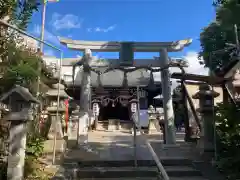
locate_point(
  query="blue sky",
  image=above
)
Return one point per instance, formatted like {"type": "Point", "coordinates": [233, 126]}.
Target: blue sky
{"type": "Point", "coordinates": [124, 20]}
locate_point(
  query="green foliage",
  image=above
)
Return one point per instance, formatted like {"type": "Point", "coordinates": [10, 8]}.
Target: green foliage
{"type": "Point", "coordinates": [228, 144]}
{"type": "Point", "coordinates": [21, 64]}
{"type": "Point", "coordinates": [215, 36]}
{"type": "Point", "coordinates": [19, 12]}
{"type": "Point", "coordinates": [35, 145]}
{"type": "Point", "coordinates": [18, 59]}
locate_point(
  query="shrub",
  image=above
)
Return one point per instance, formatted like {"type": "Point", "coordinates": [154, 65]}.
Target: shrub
{"type": "Point", "coordinates": [228, 136]}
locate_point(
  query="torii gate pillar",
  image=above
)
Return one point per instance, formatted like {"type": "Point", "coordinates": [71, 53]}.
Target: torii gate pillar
{"type": "Point", "coordinates": [85, 99]}
{"type": "Point", "coordinates": [167, 99]}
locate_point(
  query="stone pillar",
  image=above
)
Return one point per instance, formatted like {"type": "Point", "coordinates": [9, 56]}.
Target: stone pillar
{"type": "Point", "coordinates": [17, 146]}
{"type": "Point", "coordinates": [55, 123]}
{"type": "Point", "coordinates": [167, 99]}
{"type": "Point", "coordinates": [85, 98]}
{"type": "Point", "coordinates": [152, 120]}
{"type": "Point", "coordinates": [206, 107]}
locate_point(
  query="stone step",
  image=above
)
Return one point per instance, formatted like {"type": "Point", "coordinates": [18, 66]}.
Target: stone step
{"type": "Point", "coordinates": [125, 172]}
{"type": "Point", "coordinates": [129, 163]}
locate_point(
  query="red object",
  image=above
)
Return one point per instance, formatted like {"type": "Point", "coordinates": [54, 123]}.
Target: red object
{"type": "Point", "coordinates": [66, 113]}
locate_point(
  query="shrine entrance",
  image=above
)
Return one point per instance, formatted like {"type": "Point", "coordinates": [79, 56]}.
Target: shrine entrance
{"type": "Point", "coordinates": [114, 111]}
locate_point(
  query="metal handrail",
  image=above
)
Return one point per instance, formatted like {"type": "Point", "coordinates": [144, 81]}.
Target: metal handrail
{"type": "Point", "coordinates": [160, 167]}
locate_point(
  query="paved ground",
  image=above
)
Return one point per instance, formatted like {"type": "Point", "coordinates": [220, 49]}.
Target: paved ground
{"type": "Point", "coordinates": [116, 146]}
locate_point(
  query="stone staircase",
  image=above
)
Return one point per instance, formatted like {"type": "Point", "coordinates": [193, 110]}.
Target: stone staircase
{"type": "Point", "coordinates": [177, 169]}
{"type": "Point", "coordinates": [109, 155]}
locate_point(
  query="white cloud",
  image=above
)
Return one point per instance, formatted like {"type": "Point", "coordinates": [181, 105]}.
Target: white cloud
{"type": "Point", "coordinates": [67, 21]}
{"type": "Point", "coordinates": [48, 36]}
{"type": "Point", "coordinates": [194, 66]}
{"type": "Point", "coordinates": [99, 29]}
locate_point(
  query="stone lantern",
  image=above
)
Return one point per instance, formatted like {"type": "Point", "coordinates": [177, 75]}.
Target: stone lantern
{"type": "Point", "coordinates": [206, 108]}
{"type": "Point", "coordinates": [52, 95]}
{"type": "Point", "coordinates": [152, 117]}
{"type": "Point", "coordinates": [20, 102]}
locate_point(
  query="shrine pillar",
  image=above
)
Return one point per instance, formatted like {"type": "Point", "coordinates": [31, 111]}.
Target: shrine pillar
{"type": "Point", "coordinates": [85, 98]}
{"type": "Point", "coordinates": [167, 99]}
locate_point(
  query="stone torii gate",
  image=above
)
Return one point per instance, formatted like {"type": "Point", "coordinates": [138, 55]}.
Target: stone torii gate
{"type": "Point", "coordinates": [127, 50]}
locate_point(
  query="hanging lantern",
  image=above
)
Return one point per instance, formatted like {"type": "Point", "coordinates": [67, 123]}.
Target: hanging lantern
{"type": "Point", "coordinates": [96, 109]}
{"type": "Point", "coordinates": [134, 105]}
{"type": "Point", "coordinates": [151, 84]}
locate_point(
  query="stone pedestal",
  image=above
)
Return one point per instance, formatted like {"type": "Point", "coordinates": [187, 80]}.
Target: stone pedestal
{"type": "Point", "coordinates": [17, 137]}
{"type": "Point", "coordinates": [55, 123]}
{"type": "Point", "coordinates": [73, 128]}
{"type": "Point", "coordinates": [83, 128]}
{"type": "Point", "coordinates": [152, 126]}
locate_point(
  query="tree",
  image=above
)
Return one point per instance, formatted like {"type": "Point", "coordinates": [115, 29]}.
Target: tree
{"type": "Point", "coordinates": [19, 12]}
{"type": "Point", "coordinates": [214, 50]}
{"type": "Point", "coordinates": [16, 57]}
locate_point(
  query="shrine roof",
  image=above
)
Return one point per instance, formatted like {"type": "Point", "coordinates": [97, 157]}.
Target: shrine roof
{"type": "Point", "coordinates": [115, 78]}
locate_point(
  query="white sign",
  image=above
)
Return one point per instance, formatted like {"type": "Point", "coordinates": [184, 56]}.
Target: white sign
{"type": "Point", "coordinates": [95, 109]}
{"type": "Point", "coordinates": [134, 107]}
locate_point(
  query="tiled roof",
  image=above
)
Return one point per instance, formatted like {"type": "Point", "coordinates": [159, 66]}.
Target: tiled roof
{"type": "Point", "coordinates": [115, 78]}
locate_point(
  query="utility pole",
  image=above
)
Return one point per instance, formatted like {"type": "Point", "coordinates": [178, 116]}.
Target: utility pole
{"type": "Point", "coordinates": [41, 45]}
